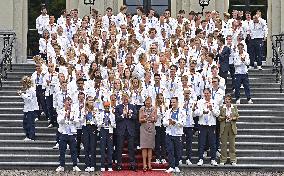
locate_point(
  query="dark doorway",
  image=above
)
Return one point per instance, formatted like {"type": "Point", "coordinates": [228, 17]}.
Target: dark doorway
{"type": "Point", "coordinates": [158, 5]}
{"type": "Point", "coordinates": [34, 7]}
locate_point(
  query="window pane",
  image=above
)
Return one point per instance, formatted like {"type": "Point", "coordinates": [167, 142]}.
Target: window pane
{"type": "Point", "coordinates": [159, 2]}
{"type": "Point", "coordinates": [258, 2]}
{"type": "Point", "coordinates": [131, 9]}
{"type": "Point", "coordinates": [160, 9]}
{"type": "Point", "coordinates": [134, 2]}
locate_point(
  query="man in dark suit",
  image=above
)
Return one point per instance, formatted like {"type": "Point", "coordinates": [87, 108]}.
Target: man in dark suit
{"type": "Point", "coordinates": [125, 117]}
{"type": "Point", "coordinates": [223, 54]}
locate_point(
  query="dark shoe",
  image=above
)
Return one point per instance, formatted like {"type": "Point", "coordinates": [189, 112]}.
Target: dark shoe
{"type": "Point", "coordinates": [133, 168]}
{"type": "Point", "coordinates": [118, 168]}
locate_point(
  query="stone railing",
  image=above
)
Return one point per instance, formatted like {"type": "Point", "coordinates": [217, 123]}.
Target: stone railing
{"type": "Point", "coordinates": [7, 41]}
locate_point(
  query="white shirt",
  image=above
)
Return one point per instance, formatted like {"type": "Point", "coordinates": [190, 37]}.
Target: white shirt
{"type": "Point", "coordinates": [258, 30]}
{"type": "Point", "coordinates": [41, 22]}
{"type": "Point", "coordinates": [67, 126]}
{"type": "Point", "coordinates": [177, 129]}
{"type": "Point", "coordinates": [241, 66]}
{"type": "Point", "coordinates": [30, 100]}
{"type": "Point", "coordinates": [210, 118]}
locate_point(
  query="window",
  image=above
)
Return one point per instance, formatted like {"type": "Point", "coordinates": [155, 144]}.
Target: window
{"type": "Point", "coordinates": [158, 5]}
{"type": "Point", "coordinates": [249, 5]}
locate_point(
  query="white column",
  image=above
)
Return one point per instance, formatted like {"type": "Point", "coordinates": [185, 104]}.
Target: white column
{"type": "Point", "coordinates": [269, 25]}
{"type": "Point", "coordinates": [282, 17]}
{"type": "Point", "coordinates": [20, 26]}
{"type": "Point", "coordinates": [174, 8]}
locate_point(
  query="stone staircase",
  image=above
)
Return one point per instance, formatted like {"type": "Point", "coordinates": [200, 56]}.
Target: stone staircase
{"type": "Point", "coordinates": [259, 143]}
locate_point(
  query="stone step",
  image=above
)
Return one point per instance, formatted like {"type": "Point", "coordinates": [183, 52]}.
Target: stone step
{"type": "Point", "coordinates": [261, 106]}
{"type": "Point", "coordinates": [12, 88]}
{"type": "Point", "coordinates": [6, 98]}
{"type": "Point", "coordinates": [259, 125]}
{"type": "Point", "coordinates": [259, 85]}
{"type": "Point", "coordinates": [11, 130]}
{"type": "Point", "coordinates": [23, 66]}
{"type": "Point", "coordinates": [263, 112]}
{"type": "Point", "coordinates": [22, 143]}
{"type": "Point", "coordinates": [264, 100]}
{"type": "Point", "coordinates": [264, 95]}
{"type": "Point", "coordinates": [267, 119]}
{"type": "Point", "coordinates": [7, 92]}
{"type": "Point", "coordinates": [260, 131]}
{"type": "Point", "coordinates": [259, 138]}
{"type": "Point", "coordinates": [12, 104]}
{"type": "Point", "coordinates": [19, 123]}
{"type": "Point", "coordinates": [11, 83]}
{"type": "Point", "coordinates": [21, 136]}
{"type": "Point", "coordinates": [263, 90]}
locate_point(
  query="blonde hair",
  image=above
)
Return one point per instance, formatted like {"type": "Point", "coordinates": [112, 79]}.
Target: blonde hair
{"type": "Point", "coordinates": [26, 82]}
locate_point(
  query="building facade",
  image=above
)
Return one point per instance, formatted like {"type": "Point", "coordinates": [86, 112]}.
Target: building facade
{"type": "Point", "coordinates": [14, 14]}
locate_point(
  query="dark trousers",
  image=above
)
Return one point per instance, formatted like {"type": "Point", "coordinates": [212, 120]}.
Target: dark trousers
{"type": "Point", "coordinates": [29, 124]}
{"type": "Point", "coordinates": [217, 135]}
{"type": "Point", "coordinates": [79, 141]}
{"type": "Point", "coordinates": [256, 52]}
{"type": "Point", "coordinates": [207, 133]}
{"type": "Point", "coordinates": [137, 128]}
{"type": "Point", "coordinates": [196, 125]}
{"type": "Point", "coordinates": [232, 73]}
{"type": "Point", "coordinates": [224, 74]}
{"type": "Point", "coordinates": [106, 146]}
{"type": "Point", "coordinates": [120, 145]}
{"type": "Point", "coordinates": [50, 110]}
{"type": "Point", "coordinates": [174, 145]}
{"type": "Point", "coordinates": [187, 138]}
{"type": "Point", "coordinates": [90, 143]}
{"type": "Point", "coordinates": [71, 141]}
{"type": "Point", "coordinates": [160, 143]}
{"type": "Point", "coordinates": [41, 101]}
{"type": "Point", "coordinates": [242, 79]}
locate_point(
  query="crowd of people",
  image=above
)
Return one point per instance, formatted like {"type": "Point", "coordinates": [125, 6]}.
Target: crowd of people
{"type": "Point", "coordinates": [156, 81]}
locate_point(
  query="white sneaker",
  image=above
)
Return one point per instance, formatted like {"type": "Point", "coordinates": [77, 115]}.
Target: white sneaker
{"type": "Point", "coordinates": [222, 164]}
{"type": "Point", "coordinates": [50, 126]}
{"type": "Point", "coordinates": [170, 170]}
{"type": "Point", "coordinates": [56, 146]}
{"type": "Point", "coordinates": [238, 101]}
{"type": "Point", "coordinates": [163, 161]}
{"type": "Point", "coordinates": [157, 161]}
{"type": "Point", "coordinates": [138, 147]}
{"type": "Point", "coordinates": [200, 162]}
{"type": "Point", "coordinates": [251, 68]}
{"type": "Point", "coordinates": [180, 162]}
{"type": "Point", "coordinates": [214, 163]}
{"type": "Point", "coordinates": [110, 169]}
{"type": "Point", "coordinates": [76, 169]}
{"type": "Point", "coordinates": [60, 169]}
{"type": "Point", "coordinates": [42, 113]}
{"type": "Point", "coordinates": [92, 169]}
{"type": "Point", "coordinates": [259, 67]}
{"type": "Point", "coordinates": [188, 162]}
{"type": "Point", "coordinates": [36, 119]}
{"type": "Point", "coordinates": [250, 101]}
{"type": "Point", "coordinates": [177, 170]}
{"type": "Point", "coordinates": [103, 169]}
{"type": "Point", "coordinates": [234, 164]}
{"type": "Point", "coordinates": [87, 169]}
{"type": "Point", "coordinates": [67, 147]}
{"type": "Point", "coordinates": [27, 139]}
{"type": "Point", "coordinates": [81, 146]}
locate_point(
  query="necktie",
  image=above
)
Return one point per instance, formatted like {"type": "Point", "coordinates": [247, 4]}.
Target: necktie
{"type": "Point", "coordinates": [106, 119]}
